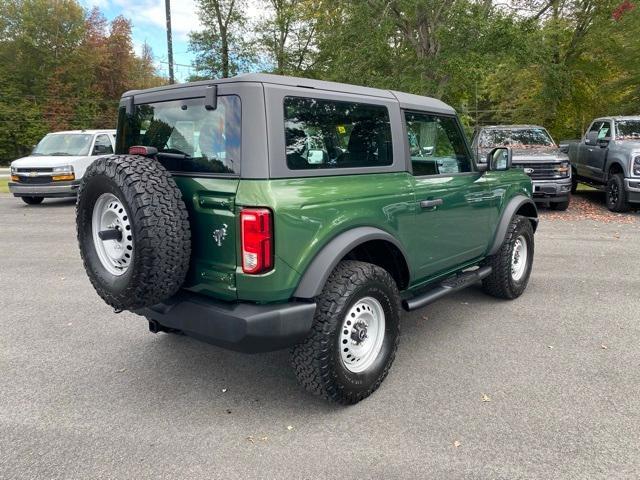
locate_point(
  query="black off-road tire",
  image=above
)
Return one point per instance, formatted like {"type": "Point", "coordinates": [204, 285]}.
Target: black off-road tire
{"type": "Point", "coordinates": [560, 206]}
{"type": "Point", "coordinates": [32, 200]}
{"type": "Point", "coordinates": [574, 181]}
{"type": "Point", "coordinates": [159, 226]}
{"type": "Point", "coordinates": [616, 195]}
{"type": "Point", "coordinates": [317, 361]}
{"type": "Point", "coordinates": [500, 283]}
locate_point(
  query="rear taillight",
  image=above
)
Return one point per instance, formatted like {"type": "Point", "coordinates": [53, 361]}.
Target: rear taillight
{"type": "Point", "coordinates": [256, 226]}
{"type": "Point", "coordinates": [142, 150]}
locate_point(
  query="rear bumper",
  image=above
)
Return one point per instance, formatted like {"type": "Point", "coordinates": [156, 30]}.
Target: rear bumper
{"type": "Point", "coordinates": [243, 327]}
{"type": "Point", "coordinates": [58, 189]}
{"type": "Point", "coordinates": [551, 190]}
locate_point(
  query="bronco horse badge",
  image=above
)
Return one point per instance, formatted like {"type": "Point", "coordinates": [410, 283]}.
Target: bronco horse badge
{"type": "Point", "coordinates": [220, 234]}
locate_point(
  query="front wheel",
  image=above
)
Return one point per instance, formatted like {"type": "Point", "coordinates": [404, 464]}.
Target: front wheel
{"type": "Point", "coordinates": [355, 335]}
{"type": "Point", "coordinates": [32, 200]}
{"type": "Point", "coordinates": [511, 265]}
{"type": "Point", "coordinates": [616, 194]}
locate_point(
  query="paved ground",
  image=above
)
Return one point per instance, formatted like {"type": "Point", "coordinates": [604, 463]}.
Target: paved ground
{"type": "Point", "coordinates": [87, 394]}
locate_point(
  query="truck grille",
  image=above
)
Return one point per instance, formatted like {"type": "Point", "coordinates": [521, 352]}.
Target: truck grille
{"type": "Point", "coordinates": [542, 171]}
{"type": "Point", "coordinates": [35, 180]}
{"type": "Point", "coordinates": [33, 169]}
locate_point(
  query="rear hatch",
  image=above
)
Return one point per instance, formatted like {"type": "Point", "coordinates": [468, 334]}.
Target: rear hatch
{"type": "Point", "coordinates": [200, 146]}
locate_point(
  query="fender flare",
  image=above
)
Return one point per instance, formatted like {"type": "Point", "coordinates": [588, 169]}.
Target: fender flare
{"type": "Point", "coordinates": [329, 256]}
{"type": "Point", "coordinates": [507, 215]}
{"type": "Point", "coordinates": [614, 161]}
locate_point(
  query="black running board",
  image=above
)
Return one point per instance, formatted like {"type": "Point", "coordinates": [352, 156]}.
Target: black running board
{"type": "Point", "coordinates": [448, 286]}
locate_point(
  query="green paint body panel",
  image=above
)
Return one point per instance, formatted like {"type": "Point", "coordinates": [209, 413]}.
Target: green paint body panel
{"type": "Point", "coordinates": [310, 212]}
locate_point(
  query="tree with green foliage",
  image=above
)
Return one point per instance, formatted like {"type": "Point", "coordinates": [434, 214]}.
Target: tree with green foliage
{"type": "Point", "coordinates": [62, 67]}
{"type": "Point", "coordinates": [221, 49]}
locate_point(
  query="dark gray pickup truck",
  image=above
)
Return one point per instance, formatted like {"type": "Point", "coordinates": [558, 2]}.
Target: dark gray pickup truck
{"type": "Point", "coordinates": [608, 158]}
{"type": "Point", "coordinates": [534, 151]}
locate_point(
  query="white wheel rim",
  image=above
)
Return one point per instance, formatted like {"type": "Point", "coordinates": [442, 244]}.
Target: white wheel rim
{"type": "Point", "coordinates": [108, 214]}
{"type": "Point", "coordinates": [519, 258]}
{"type": "Point", "coordinates": [362, 334]}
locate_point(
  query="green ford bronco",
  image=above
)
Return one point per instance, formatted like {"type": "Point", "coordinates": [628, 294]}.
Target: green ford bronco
{"type": "Point", "coordinates": [263, 212]}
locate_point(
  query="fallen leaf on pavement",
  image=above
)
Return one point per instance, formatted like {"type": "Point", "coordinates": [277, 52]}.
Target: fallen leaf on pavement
{"type": "Point", "coordinates": [604, 347]}
{"type": "Point", "coordinates": [289, 427]}
{"type": "Point", "coordinates": [456, 444]}
{"type": "Point", "coordinates": [486, 398]}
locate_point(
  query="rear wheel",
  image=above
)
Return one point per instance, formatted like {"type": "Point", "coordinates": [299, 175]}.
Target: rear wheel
{"type": "Point", "coordinates": [32, 200]}
{"type": "Point", "coordinates": [511, 266]}
{"type": "Point", "coordinates": [616, 194]}
{"type": "Point", "coordinates": [355, 334]}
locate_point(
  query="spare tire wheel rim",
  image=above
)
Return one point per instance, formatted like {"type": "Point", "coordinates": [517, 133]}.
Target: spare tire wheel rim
{"type": "Point", "coordinates": [112, 235]}
{"type": "Point", "coordinates": [362, 335]}
{"type": "Point", "coordinates": [519, 258]}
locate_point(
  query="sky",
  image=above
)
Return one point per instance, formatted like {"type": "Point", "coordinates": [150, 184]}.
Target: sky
{"type": "Point", "coordinates": [148, 19]}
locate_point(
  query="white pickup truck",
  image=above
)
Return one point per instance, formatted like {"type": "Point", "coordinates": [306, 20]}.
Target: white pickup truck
{"type": "Point", "coordinates": [57, 163]}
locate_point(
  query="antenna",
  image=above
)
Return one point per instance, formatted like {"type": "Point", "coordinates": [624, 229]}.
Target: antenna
{"type": "Point", "coordinates": [167, 5]}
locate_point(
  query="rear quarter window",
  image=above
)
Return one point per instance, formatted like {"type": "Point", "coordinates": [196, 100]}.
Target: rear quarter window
{"type": "Point", "coordinates": [321, 134]}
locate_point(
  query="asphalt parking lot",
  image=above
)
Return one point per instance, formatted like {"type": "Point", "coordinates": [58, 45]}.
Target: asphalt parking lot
{"type": "Point", "coordinates": [545, 387]}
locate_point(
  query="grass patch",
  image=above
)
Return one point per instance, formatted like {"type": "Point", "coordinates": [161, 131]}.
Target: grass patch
{"type": "Point", "coordinates": [4, 188]}
{"type": "Point", "coordinates": [586, 188]}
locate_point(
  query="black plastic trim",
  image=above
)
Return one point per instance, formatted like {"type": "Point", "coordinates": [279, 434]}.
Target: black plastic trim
{"type": "Point", "coordinates": [446, 287]}
{"type": "Point", "coordinates": [326, 260]}
{"type": "Point", "coordinates": [245, 327]}
{"type": "Point", "coordinates": [510, 210]}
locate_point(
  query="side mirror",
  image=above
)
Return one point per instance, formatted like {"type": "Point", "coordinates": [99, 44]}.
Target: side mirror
{"type": "Point", "coordinates": [499, 159]}
{"type": "Point", "coordinates": [591, 138]}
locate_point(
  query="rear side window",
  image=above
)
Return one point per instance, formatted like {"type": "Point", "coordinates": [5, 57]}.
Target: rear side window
{"type": "Point", "coordinates": [333, 134]}
{"type": "Point", "coordinates": [436, 145]}
{"type": "Point", "coordinates": [189, 138]}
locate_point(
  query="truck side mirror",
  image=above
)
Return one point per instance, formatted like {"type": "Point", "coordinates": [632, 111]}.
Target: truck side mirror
{"type": "Point", "coordinates": [499, 159]}
{"type": "Point", "coordinates": [591, 138]}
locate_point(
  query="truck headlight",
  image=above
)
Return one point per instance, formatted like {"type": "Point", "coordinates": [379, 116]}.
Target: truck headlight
{"type": "Point", "coordinates": [13, 169]}
{"type": "Point", "coordinates": [563, 169]}
{"type": "Point", "coordinates": [636, 166]}
{"type": "Point", "coordinates": [63, 173]}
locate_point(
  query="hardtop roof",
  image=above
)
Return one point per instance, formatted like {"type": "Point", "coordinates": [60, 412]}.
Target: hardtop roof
{"type": "Point", "coordinates": [406, 100]}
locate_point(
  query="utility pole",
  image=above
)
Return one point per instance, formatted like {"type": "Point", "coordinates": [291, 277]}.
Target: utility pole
{"type": "Point", "coordinates": [167, 5]}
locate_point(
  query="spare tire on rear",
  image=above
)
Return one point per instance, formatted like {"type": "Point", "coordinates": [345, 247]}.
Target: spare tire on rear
{"type": "Point", "coordinates": [133, 231]}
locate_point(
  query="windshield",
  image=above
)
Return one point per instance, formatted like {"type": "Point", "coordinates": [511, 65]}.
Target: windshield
{"type": "Point", "coordinates": [64, 144]}
{"type": "Point", "coordinates": [628, 130]}
{"type": "Point", "coordinates": [516, 138]}
{"type": "Point", "coordinates": [189, 138]}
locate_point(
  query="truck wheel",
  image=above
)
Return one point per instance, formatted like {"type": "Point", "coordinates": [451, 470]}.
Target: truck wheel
{"type": "Point", "coordinates": [511, 266]}
{"type": "Point", "coordinates": [133, 231]}
{"type": "Point", "coordinates": [560, 206]}
{"type": "Point", "coordinates": [354, 338]}
{"type": "Point", "coordinates": [574, 182]}
{"type": "Point", "coordinates": [616, 194]}
{"type": "Point", "coordinates": [32, 200]}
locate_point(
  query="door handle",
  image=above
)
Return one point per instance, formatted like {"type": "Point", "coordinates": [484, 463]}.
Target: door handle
{"type": "Point", "coordinates": [431, 203]}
